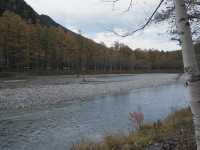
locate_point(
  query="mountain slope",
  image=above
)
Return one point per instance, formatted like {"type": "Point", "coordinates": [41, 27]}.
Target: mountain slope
{"type": "Point", "coordinates": [21, 8]}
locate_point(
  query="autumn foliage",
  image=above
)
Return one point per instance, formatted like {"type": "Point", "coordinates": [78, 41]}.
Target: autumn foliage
{"type": "Point", "coordinates": [26, 46]}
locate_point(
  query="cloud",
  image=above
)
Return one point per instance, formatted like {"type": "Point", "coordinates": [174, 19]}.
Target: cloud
{"type": "Point", "coordinates": [151, 38]}
{"type": "Point", "coordinates": [95, 17]}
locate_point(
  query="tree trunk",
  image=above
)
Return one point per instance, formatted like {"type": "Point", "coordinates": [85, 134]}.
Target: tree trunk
{"type": "Point", "coordinates": [190, 63]}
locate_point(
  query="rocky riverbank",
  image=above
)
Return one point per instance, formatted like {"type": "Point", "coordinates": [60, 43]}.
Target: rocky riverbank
{"type": "Point", "coordinates": [44, 91]}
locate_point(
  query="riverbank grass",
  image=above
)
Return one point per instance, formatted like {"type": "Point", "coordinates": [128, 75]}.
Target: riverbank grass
{"type": "Point", "coordinates": [175, 132]}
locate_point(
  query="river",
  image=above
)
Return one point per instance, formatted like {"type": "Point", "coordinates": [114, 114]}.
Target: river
{"type": "Point", "coordinates": [61, 125]}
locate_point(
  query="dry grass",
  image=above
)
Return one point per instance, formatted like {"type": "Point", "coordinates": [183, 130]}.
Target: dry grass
{"type": "Point", "coordinates": [177, 127]}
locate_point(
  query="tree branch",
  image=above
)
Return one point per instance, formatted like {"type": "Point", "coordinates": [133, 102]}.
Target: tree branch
{"type": "Point", "coordinates": [130, 5]}
{"type": "Point", "coordinates": [115, 1]}
{"type": "Point", "coordinates": [143, 26]}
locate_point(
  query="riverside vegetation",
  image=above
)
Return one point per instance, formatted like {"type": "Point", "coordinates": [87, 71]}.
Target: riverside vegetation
{"type": "Point", "coordinates": [175, 132]}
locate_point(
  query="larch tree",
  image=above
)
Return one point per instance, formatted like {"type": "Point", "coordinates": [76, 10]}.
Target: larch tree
{"type": "Point", "coordinates": [33, 47]}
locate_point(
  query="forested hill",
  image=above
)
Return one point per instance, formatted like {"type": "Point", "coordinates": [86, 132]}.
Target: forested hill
{"type": "Point", "coordinates": [25, 11]}
{"type": "Point", "coordinates": [36, 43]}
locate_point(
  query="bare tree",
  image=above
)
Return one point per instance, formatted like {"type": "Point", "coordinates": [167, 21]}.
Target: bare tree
{"type": "Point", "coordinates": [168, 14]}
{"type": "Point", "coordinates": [190, 63]}
{"type": "Point", "coordinates": [148, 21]}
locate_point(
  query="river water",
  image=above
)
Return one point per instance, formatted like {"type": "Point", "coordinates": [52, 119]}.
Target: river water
{"type": "Point", "coordinates": [58, 127]}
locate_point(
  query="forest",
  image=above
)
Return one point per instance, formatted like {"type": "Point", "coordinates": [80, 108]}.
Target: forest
{"type": "Point", "coordinates": [26, 46]}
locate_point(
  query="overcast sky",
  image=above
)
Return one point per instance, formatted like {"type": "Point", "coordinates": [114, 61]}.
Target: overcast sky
{"type": "Point", "coordinates": [96, 18]}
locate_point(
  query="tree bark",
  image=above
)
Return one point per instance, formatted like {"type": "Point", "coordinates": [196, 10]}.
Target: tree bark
{"type": "Point", "coordinates": [190, 63]}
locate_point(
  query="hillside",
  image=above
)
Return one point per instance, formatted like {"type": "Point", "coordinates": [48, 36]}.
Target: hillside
{"type": "Point", "coordinates": [30, 42]}
{"type": "Point", "coordinates": [25, 11]}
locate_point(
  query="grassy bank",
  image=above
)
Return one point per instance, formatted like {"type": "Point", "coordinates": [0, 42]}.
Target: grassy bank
{"type": "Point", "coordinates": [175, 132]}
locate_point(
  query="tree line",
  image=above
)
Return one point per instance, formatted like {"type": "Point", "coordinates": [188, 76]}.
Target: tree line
{"type": "Point", "coordinates": [25, 46]}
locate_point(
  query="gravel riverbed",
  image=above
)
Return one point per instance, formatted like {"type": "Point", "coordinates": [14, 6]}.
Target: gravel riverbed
{"type": "Point", "coordinates": [49, 90]}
